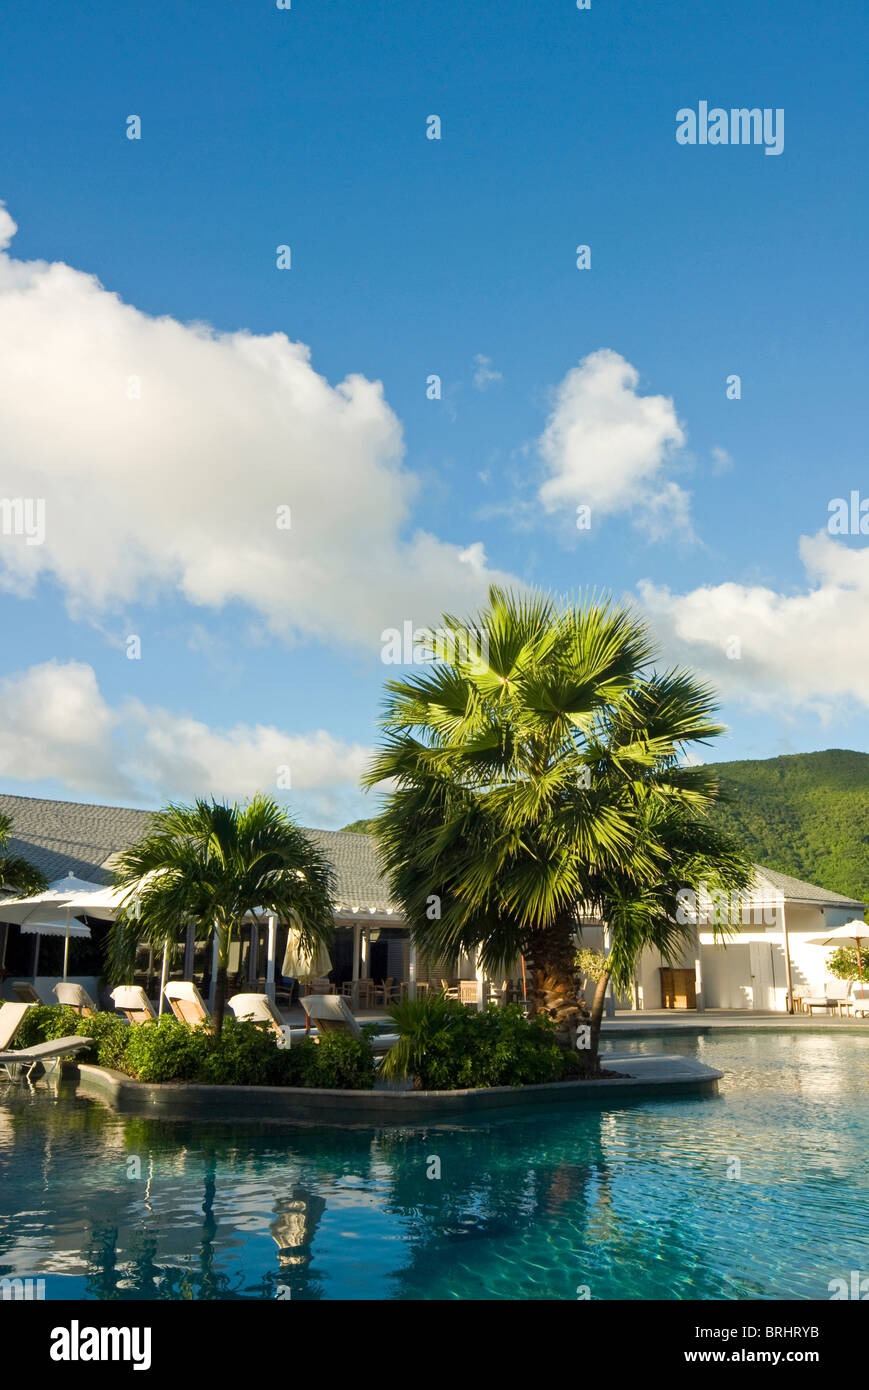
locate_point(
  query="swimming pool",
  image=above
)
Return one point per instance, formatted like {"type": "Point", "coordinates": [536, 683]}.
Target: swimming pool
{"type": "Point", "coordinates": [761, 1192]}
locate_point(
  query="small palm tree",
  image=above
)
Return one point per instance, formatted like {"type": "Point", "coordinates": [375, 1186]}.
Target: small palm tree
{"type": "Point", "coordinates": [539, 774]}
{"type": "Point", "coordinates": [213, 865]}
{"type": "Point", "coordinates": [16, 872]}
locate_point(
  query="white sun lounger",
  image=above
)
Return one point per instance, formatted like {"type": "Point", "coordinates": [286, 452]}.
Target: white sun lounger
{"type": "Point", "coordinates": [260, 1009]}
{"type": "Point", "coordinates": [76, 996]}
{"type": "Point", "coordinates": [133, 1003]}
{"type": "Point", "coordinates": [25, 992]}
{"type": "Point", "coordinates": [30, 1057]}
{"type": "Point", "coordinates": [10, 1021]}
{"type": "Point", "coordinates": [186, 1002]}
{"type": "Point", "coordinates": [332, 1014]}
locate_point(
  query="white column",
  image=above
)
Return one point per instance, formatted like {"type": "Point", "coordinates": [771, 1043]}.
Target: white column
{"type": "Point", "coordinates": [253, 954]}
{"type": "Point", "coordinates": [698, 980]}
{"type": "Point", "coordinates": [481, 984]}
{"type": "Point", "coordinates": [411, 972]}
{"type": "Point", "coordinates": [364, 963]}
{"type": "Point", "coordinates": [357, 946]}
{"type": "Point", "coordinates": [270, 958]}
{"type": "Point", "coordinates": [789, 1002]}
{"type": "Point", "coordinates": [215, 948]}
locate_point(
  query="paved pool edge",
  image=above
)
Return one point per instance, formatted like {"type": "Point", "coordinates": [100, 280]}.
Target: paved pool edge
{"type": "Point", "coordinates": [647, 1077]}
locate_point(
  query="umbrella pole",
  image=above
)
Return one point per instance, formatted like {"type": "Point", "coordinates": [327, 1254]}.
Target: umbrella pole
{"type": "Point", "coordinates": [66, 947]}
{"type": "Point", "coordinates": [858, 939]}
{"type": "Point", "coordinates": [163, 978]}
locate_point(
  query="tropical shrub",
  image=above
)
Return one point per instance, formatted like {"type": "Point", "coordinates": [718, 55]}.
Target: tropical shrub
{"type": "Point", "coordinates": [244, 1054]}
{"type": "Point", "coordinates": [337, 1062]}
{"type": "Point", "coordinates": [446, 1046]}
{"type": "Point", "coordinates": [167, 1051]}
{"type": "Point", "coordinates": [842, 964]}
{"type": "Point", "coordinates": [45, 1022]}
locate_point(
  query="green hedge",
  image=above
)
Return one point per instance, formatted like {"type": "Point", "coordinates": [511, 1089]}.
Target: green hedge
{"type": "Point", "coordinates": [245, 1054]}
{"type": "Point", "coordinates": [446, 1046]}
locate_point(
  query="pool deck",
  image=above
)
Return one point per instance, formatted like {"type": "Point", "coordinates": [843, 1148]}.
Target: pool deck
{"type": "Point", "coordinates": [641, 1078]}
{"type": "Point", "coordinates": [659, 1022]}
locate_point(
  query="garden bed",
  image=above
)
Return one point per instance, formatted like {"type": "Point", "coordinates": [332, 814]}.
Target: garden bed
{"type": "Point", "coordinates": [641, 1078]}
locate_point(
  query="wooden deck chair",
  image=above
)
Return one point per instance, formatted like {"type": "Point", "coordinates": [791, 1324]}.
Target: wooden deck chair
{"type": "Point", "coordinates": [10, 1021]}
{"type": "Point", "coordinates": [186, 1002]}
{"type": "Point", "coordinates": [133, 1003]}
{"type": "Point", "coordinates": [75, 997]}
{"type": "Point", "coordinates": [332, 1014]}
{"type": "Point", "coordinates": [258, 1008]}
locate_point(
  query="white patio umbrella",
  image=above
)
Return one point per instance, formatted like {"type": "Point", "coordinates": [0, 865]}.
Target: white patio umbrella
{"type": "Point", "coordinates": [854, 930]}
{"type": "Point", "coordinates": [43, 925]}
{"type": "Point", "coordinates": [302, 964]}
{"type": "Point", "coordinates": [53, 912]}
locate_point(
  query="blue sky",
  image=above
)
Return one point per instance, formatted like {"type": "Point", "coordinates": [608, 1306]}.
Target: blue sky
{"type": "Point", "coordinates": [413, 257]}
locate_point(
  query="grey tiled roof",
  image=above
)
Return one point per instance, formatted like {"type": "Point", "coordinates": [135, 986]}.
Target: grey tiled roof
{"type": "Point", "coordinates": [62, 837]}
{"type": "Point", "coordinates": [796, 890]}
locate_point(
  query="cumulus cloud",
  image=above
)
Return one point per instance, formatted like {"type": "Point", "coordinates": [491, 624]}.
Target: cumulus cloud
{"type": "Point", "coordinates": [484, 373]}
{"type": "Point", "coordinates": [607, 446]}
{"type": "Point", "coordinates": [772, 649]}
{"type": "Point", "coordinates": [57, 727]}
{"type": "Point", "coordinates": [164, 451]}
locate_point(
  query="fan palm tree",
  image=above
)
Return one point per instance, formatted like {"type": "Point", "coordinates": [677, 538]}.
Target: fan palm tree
{"type": "Point", "coordinates": [16, 872]}
{"type": "Point", "coordinates": [214, 864]}
{"type": "Point", "coordinates": [538, 775]}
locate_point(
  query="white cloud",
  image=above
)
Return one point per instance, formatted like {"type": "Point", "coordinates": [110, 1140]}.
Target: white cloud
{"type": "Point", "coordinates": [484, 374]}
{"type": "Point", "coordinates": [57, 727]}
{"type": "Point", "coordinates": [607, 446]}
{"type": "Point", "coordinates": [800, 649]}
{"type": "Point", "coordinates": [721, 460]}
{"type": "Point", "coordinates": [179, 490]}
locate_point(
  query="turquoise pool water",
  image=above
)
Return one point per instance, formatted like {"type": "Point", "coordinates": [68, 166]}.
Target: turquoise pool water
{"type": "Point", "coordinates": [628, 1203]}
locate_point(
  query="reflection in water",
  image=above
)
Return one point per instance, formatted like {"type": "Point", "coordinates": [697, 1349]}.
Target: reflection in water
{"type": "Point", "coordinates": [633, 1202]}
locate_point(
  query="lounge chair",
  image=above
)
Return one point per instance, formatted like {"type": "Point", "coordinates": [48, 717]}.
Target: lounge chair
{"type": "Point", "coordinates": [25, 992]}
{"type": "Point", "coordinates": [811, 998]}
{"type": "Point", "coordinates": [76, 997]}
{"type": "Point", "coordinates": [332, 1014]}
{"type": "Point", "coordinates": [186, 1002]}
{"type": "Point", "coordinates": [859, 1001]}
{"type": "Point", "coordinates": [260, 1009]}
{"type": "Point", "coordinates": [133, 1003]}
{"type": "Point", "coordinates": [10, 1021]}
{"type": "Point", "coordinates": [30, 1057]}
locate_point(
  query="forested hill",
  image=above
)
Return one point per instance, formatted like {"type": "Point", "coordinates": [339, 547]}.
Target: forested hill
{"type": "Point", "coordinates": [806, 814]}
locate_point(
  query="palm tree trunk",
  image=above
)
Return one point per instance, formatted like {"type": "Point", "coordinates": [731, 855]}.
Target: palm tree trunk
{"type": "Point", "coordinates": [595, 1020]}
{"type": "Point", "coordinates": [553, 983]}
{"type": "Point", "coordinates": [223, 935]}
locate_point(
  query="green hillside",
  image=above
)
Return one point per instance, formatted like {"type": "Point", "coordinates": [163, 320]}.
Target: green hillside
{"type": "Point", "coordinates": [806, 814]}
{"type": "Point", "coordinates": [361, 827]}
